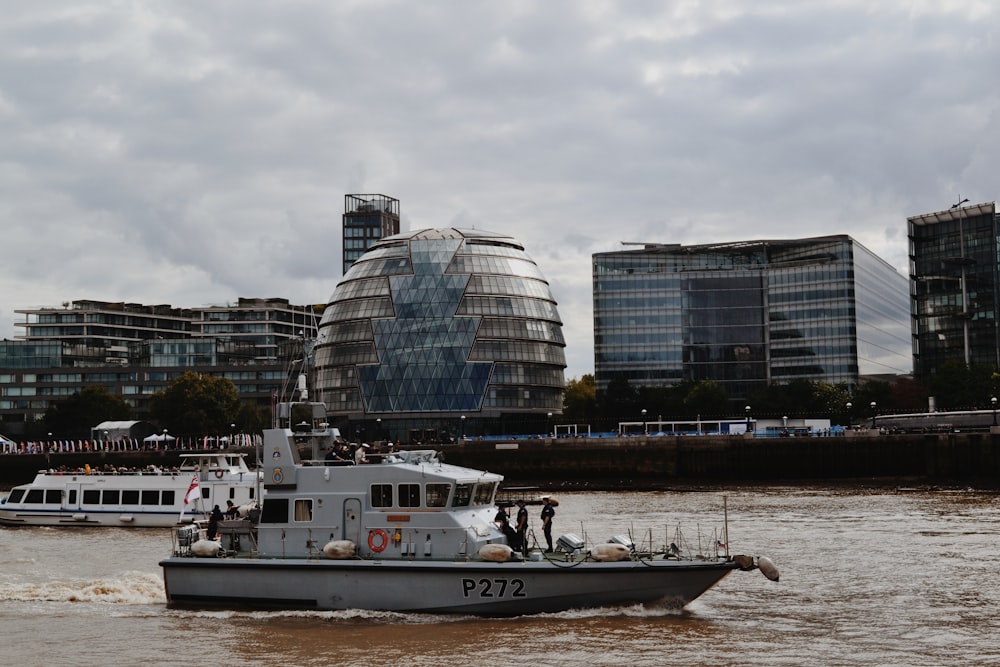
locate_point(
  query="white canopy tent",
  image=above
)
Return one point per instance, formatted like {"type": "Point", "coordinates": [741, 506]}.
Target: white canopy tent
{"type": "Point", "coordinates": [159, 437]}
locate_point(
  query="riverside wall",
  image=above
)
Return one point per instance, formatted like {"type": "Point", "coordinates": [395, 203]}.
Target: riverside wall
{"type": "Point", "coordinates": [668, 461]}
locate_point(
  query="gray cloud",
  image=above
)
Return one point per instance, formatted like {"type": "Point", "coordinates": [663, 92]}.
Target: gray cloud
{"type": "Point", "coordinates": [193, 152]}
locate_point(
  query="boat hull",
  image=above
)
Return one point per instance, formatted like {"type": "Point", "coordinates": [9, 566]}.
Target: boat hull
{"type": "Point", "coordinates": [465, 587]}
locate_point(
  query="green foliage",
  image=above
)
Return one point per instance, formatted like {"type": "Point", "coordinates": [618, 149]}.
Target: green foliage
{"type": "Point", "coordinates": [955, 386]}
{"type": "Point", "coordinates": [194, 404]}
{"type": "Point", "coordinates": [580, 400]}
{"type": "Point", "coordinates": [73, 417]}
{"type": "Point", "coordinates": [706, 398]}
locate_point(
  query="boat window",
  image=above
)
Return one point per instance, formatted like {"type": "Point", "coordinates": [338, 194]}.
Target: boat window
{"type": "Point", "coordinates": [463, 494]}
{"type": "Point", "coordinates": [16, 495]}
{"type": "Point", "coordinates": [409, 495]}
{"type": "Point", "coordinates": [53, 496]}
{"type": "Point", "coordinates": [130, 497]}
{"type": "Point", "coordinates": [484, 493]}
{"type": "Point", "coordinates": [275, 510]}
{"type": "Point", "coordinates": [92, 497]}
{"type": "Point", "coordinates": [205, 491]}
{"type": "Point", "coordinates": [168, 498]}
{"type": "Point", "coordinates": [109, 497]}
{"type": "Point", "coordinates": [437, 495]}
{"type": "Point", "coordinates": [72, 496]}
{"type": "Point", "coordinates": [303, 509]}
{"type": "Point", "coordinates": [150, 497]}
{"type": "Point", "coordinates": [34, 496]}
{"type": "Point", "coordinates": [381, 495]}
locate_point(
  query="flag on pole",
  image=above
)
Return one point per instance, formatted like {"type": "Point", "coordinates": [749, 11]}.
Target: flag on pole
{"type": "Point", "coordinates": [193, 494]}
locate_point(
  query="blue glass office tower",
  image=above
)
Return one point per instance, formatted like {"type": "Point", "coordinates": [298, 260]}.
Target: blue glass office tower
{"type": "Point", "coordinates": [748, 313]}
{"type": "Point", "coordinates": [441, 330]}
{"type": "Point", "coordinates": [954, 285]}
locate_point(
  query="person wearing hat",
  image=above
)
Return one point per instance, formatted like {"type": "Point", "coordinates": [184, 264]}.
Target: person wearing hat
{"type": "Point", "coordinates": [521, 527]}
{"type": "Point", "coordinates": [360, 455]}
{"type": "Point", "coordinates": [548, 512]}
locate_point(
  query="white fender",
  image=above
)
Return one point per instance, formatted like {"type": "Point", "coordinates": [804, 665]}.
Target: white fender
{"type": "Point", "coordinates": [498, 553]}
{"type": "Point", "coordinates": [609, 552]}
{"type": "Point", "coordinates": [340, 549]}
{"type": "Point", "coordinates": [768, 568]}
{"type": "Point", "coordinates": [206, 548]}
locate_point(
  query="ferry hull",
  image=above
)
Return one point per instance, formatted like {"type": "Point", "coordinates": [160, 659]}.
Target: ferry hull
{"type": "Point", "coordinates": [473, 587]}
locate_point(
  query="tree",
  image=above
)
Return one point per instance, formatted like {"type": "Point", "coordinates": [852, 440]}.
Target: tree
{"type": "Point", "coordinates": [196, 404]}
{"type": "Point", "coordinates": [707, 398]}
{"type": "Point", "coordinates": [580, 400]}
{"type": "Point", "coordinates": [73, 417]}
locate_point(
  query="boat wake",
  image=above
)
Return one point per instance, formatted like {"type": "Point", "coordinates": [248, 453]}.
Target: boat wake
{"type": "Point", "coordinates": [138, 588]}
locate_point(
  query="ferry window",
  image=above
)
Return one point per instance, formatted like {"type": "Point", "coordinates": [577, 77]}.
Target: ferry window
{"type": "Point", "coordinates": [34, 496]}
{"type": "Point", "coordinates": [150, 497]}
{"type": "Point", "coordinates": [168, 498]}
{"type": "Point", "coordinates": [463, 493]}
{"type": "Point", "coordinates": [130, 497]}
{"type": "Point", "coordinates": [205, 491]}
{"type": "Point", "coordinates": [53, 496]}
{"type": "Point", "coordinates": [303, 509]}
{"type": "Point", "coordinates": [409, 495]}
{"type": "Point", "coordinates": [381, 495]}
{"type": "Point", "coordinates": [16, 495]}
{"type": "Point", "coordinates": [484, 494]}
{"type": "Point", "coordinates": [110, 497]}
{"type": "Point", "coordinates": [91, 497]}
{"type": "Point", "coordinates": [437, 494]}
{"type": "Point", "coordinates": [72, 496]}
{"type": "Point", "coordinates": [275, 510]}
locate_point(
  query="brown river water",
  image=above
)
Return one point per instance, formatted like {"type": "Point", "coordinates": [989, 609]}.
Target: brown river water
{"type": "Point", "coordinates": [868, 577]}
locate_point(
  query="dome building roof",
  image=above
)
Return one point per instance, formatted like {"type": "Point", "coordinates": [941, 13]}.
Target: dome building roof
{"type": "Point", "coordinates": [441, 322]}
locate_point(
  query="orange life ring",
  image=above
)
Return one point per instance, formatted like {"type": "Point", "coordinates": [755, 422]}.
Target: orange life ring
{"type": "Point", "coordinates": [382, 543]}
{"type": "Point", "coordinates": [219, 474]}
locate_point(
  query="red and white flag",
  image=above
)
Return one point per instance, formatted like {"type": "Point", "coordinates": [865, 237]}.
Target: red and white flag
{"type": "Point", "coordinates": [193, 494]}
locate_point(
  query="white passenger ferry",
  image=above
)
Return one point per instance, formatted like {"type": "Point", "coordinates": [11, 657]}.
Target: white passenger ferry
{"type": "Point", "coordinates": [144, 498]}
{"type": "Point", "coordinates": [410, 533]}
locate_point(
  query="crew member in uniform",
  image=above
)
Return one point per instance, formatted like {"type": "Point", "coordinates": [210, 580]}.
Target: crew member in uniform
{"type": "Point", "coordinates": [521, 527]}
{"type": "Point", "coordinates": [548, 512]}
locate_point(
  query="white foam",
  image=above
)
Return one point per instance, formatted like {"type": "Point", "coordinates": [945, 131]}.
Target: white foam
{"type": "Point", "coordinates": [137, 588]}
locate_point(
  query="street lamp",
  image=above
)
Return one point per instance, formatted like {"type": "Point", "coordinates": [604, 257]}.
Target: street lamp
{"type": "Point", "coordinates": [849, 406]}
{"type": "Point", "coordinates": [548, 424]}
{"type": "Point", "coordinates": [747, 410]}
{"type": "Point", "coordinates": [784, 422]}
{"type": "Point", "coordinates": [872, 405]}
{"type": "Point", "coordinates": [994, 402]}
{"type": "Point", "coordinates": [463, 427]}
{"type": "Point", "coordinates": [645, 428]}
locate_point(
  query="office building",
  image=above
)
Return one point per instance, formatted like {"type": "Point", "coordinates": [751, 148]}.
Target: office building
{"type": "Point", "coordinates": [135, 350]}
{"type": "Point", "coordinates": [748, 313]}
{"type": "Point", "coordinates": [441, 333]}
{"type": "Point", "coordinates": [953, 286]}
{"type": "Point", "coordinates": [366, 219]}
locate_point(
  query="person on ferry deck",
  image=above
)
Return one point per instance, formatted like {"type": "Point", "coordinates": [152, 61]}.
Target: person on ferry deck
{"type": "Point", "coordinates": [232, 511]}
{"type": "Point", "coordinates": [360, 454]}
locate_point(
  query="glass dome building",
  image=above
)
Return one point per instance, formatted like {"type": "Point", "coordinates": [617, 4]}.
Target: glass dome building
{"type": "Point", "coordinates": [437, 334]}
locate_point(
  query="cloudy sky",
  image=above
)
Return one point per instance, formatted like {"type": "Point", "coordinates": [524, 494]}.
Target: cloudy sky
{"type": "Point", "coordinates": [193, 152]}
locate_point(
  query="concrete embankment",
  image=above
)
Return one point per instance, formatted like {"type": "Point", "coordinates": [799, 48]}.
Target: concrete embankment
{"type": "Point", "coordinates": [669, 461]}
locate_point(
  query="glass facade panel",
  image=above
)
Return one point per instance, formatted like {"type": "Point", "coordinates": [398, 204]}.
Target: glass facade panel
{"type": "Point", "coordinates": [745, 314]}
{"type": "Point", "coordinates": [438, 329]}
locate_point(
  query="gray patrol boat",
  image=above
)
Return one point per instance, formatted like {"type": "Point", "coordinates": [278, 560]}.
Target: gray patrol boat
{"type": "Point", "coordinates": [406, 532]}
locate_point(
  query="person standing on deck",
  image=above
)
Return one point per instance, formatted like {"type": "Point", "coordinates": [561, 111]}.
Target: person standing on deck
{"type": "Point", "coordinates": [521, 527]}
{"type": "Point", "coordinates": [548, 512]}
